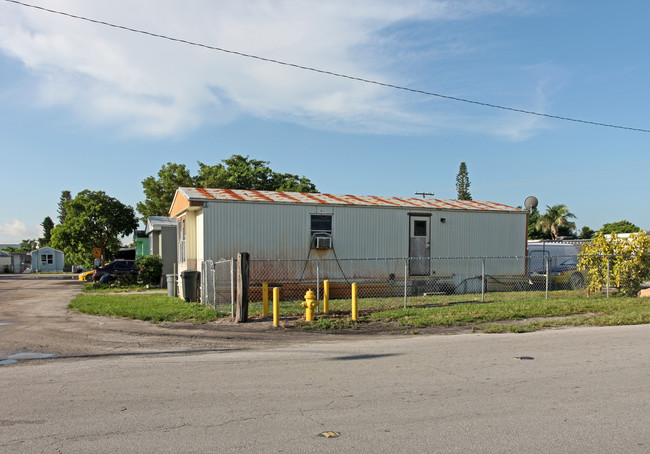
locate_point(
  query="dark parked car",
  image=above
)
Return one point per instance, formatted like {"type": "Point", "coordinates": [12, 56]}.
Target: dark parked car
{"type": "Point", "coordinates": [564, 276]}
{"type": "Point", "coordinates": [116, 268]}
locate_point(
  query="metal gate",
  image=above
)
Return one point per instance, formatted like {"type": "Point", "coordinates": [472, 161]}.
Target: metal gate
{"type": "Point", "coordinates": [218, 284]}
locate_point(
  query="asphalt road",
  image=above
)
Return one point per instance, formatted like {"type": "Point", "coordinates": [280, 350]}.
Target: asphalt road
{"type": "Point", "coordinates": [569, 390]}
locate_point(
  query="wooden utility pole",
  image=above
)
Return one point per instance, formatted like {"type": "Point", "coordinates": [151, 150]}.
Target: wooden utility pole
{"type": "Point", "coordinates": [243, 285]}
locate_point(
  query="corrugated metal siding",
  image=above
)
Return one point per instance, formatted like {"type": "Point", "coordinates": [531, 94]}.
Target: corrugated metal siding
{"type": "Point", "coordinates": [168, 248]}
{"type": "Point", "coordinates": [282, 231]}
{"type": "Point", "coordinates": [470, 234]}
{"type": "Point", "coordinates": [154, 242]}
{"type": "Point", "coordinates": [361, 232]}
{"type": "Point", "coordinates": [267, 231]}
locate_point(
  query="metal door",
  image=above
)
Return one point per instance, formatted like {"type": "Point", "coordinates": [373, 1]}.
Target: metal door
{"type": "Point", "coordinates": [419, 245]}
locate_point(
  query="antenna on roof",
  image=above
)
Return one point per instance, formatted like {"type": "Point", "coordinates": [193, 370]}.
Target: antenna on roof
{"type": "Point", "coordinates": [531, 203]}
{"type": "Point", "coordinates": [425, 194]}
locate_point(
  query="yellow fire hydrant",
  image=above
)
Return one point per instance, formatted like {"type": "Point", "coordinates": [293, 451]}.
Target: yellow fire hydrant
{"type": "Point", "coordinates": [309, 304]}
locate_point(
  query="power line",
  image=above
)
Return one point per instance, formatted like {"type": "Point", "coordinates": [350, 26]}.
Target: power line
{"type": "Point", "coordinates": [326, 72]}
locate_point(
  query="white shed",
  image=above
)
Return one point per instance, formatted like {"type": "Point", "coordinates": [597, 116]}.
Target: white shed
{"type": "Point", "coordinates": [47, 259]}
{"type": "Point", "coordinates": [219, 223]}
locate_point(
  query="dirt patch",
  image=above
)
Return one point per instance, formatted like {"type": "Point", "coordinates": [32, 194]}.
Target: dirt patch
{"type": "Point", "coordinates": [645, 293]}
{"type": "Point", "coordinates": [34, 318]}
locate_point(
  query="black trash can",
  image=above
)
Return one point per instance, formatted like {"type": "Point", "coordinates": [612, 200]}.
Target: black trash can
{"type": "Point", "coordinates": [191, 284]}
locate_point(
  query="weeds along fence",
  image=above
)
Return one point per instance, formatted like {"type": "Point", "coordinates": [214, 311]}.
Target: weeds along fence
{"type": "Point", "coordinates": [407, 279]}
{"type": "Point", "coordinates": [413, 277]}
{"type": "Point", "coordinates": [397, 278]}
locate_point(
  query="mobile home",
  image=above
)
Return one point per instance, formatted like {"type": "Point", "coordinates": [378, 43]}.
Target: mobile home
{"type": "Point", "coordinates": [47, 259]}
{"type": "Point", "coordinates": [219, 223]}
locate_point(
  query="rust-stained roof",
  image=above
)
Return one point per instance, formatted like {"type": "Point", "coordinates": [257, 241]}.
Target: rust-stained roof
{"type": "Point", "coordinates": [201, 194]}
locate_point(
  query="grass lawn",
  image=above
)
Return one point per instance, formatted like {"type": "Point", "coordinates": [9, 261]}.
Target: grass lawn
{"type": "Point", "coordinates": [114, 287]}
{"type": "Point", "coordinates": [561, 309]}
{"type": "Point", "coordinates": [151, 307]}
{"type": "Point", "coordinates": [501, 312]}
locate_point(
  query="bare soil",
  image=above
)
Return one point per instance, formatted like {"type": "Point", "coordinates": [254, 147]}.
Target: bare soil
{"type": "Point", "coordinates": [34, 319]}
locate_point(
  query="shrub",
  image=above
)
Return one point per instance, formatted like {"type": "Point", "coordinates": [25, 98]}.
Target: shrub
{"type": "Point", "coordinates": [629, 261]}
{"type": "Point", "coordinates": [150, 267]}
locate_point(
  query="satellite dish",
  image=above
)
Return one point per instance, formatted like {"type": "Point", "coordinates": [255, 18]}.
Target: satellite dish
{"type": "Point", "coordinates": [531, 203]}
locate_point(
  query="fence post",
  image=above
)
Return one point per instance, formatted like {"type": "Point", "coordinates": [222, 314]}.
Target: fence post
{"type": "Point", "coordinates": [265, 299]}
{"type": "Point", "coordinates": [354, 302]}
{"type": "Point", "coordinates": [213, 274]}
{"type": "Point", "coordinates": [276, 306]}
{"type": "Point", "coordinates": [203, 279]}
{"type": "Point", "coordinates": [317, 281]}
{"type": "Point", "coordinates": [232, 286]}
{"type": "Point", "coordinates": [608, 276]}
{"type": "Point", "coordinates": [483, 280]}
{"type": "Point", "coordinates": [243, 285]}
{"type": "Point", "coordinates": [326, 296]}
{"type": "Point", "coordinates": [406, 272]}
{"type": "Point", "coordinates": [548, 259]}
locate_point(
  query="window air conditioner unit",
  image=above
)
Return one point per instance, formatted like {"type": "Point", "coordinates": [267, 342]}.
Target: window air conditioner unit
{"type": "Point", "coordinates": [323, 242]}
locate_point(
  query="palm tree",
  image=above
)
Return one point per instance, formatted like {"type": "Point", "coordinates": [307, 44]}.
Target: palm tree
{"type": "Point", "coordinates": [554, 217]}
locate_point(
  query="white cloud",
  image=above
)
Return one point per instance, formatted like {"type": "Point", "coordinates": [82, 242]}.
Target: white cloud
{"type": "Point", "coordinates": [154, 87]}
{"type": "Point", "coordinates": [15, 231]}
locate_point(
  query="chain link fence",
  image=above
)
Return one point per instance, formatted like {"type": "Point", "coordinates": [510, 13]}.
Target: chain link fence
{"type": "Point", "coordinates": [411, 282]}
{"type": "Point", "coordinates": [218, 285]}
{"type": "Point", "coordinates": [408, 278]}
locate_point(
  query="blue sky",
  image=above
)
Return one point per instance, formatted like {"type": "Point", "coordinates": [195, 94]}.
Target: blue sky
{"type": "Point", "coordinates": [85, 106]}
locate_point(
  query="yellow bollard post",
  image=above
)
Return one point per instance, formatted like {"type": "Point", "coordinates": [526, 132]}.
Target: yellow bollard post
{"type": "Point", "coordinates": [326, 296]}
{"type": "Point", "coordinates": [354, 302]}
{"type": "Point", "coordinates": [276, 306]}
{"type": "Point", "coordinates": [265, 299]}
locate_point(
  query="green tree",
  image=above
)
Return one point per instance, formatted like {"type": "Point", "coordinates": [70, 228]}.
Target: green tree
{"type": "Point", "coordinates": [556, 216]}
{"type": "Point", "coordinates": [287, 182]}
{"type": "Point", "coordinates": [586, 233]}
{"type": "Point", "coordinates": [619, 227]}
{"type": "Point", "coordinates": [25, 246]}
{"type": "Point", "coordinates": [627, 259]}
{"type": "Point", "coordinates": [235, 172]}
{"type": "Point", "coordinates": [93, 220]}
{"type": "Point", "coordinates": [65, 198]}
{"type": "Point", "coordinates": [534, 233]}
{"type": "Point", "coordinates": [462, 183]}
{"type": "Point", "coordinates": [159, 192]}
{"type": "Point", "coordinates": [241, 172]}
{"type": "Point", "coordinates": [150, 267]}
{"type": "Point", "coordinates": [47, 225]}
{"type": "Point", "coordinates": [215, 176]}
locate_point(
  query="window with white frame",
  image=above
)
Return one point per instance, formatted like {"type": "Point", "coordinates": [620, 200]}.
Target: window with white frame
{"type": "Point", "coordinates": [47, 259]}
